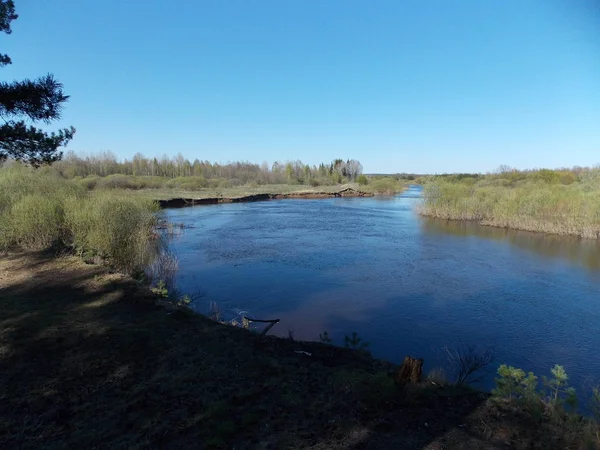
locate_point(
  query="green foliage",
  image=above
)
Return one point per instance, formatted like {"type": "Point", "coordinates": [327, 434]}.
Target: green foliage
{"type": "Point", "coordinates": [355, 342]}
{"type": "Point", "coordinates": [116, 228]}
{"type": "Point", "coordinates": [514, 383]}
{"type": "Point", "coordinates": [36, 222]}
{"type": "Point", "coordinates": [542, 200]}
{"type": "Point", "coordinates": [160, 289]}
{"type": "Point", "coordinates": [385, 185]}
{"type": "Point", "coordinates": [39, 100]}
{"type": "Point", "coordinates": [555, 392]}
{"type": "Point", "coordinates": [558, 390]}
{"type": "Point", "coordinates": [39, 210]}
{"type": "Point", "coordinates": [362, 180]}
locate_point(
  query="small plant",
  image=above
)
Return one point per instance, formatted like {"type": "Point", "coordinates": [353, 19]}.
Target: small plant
{"type": "Point", "coordinates": [354, 342]}
{"type": "Point", "coordinates": [513, 383]}
{"type": "Point", "coordinates": [324, 337]}
{"type": "Point", "coordinates": [160, 289]}
{"type": "Point", "coordinates": [558, 390]}
{"type": "Point", "coordinates": [184, 301]}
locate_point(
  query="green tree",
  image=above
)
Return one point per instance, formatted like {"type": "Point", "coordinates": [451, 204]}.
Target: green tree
{"type": "Point", "coordinates": [39, 100]}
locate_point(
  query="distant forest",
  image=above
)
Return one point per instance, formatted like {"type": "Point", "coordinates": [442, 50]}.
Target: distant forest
{"type": "Point", "coordinates": [106, 164]}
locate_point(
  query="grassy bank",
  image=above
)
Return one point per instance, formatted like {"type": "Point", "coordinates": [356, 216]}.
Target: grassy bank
{"type": "Point", "coordinates": [87, 359]}
{"type": "Point", "coordinates": [548, 201]}
{"type": "Point", "coordinates": [42, 211]}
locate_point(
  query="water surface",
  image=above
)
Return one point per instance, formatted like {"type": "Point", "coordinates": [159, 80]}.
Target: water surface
{"type": "Point", "coordinates": [406, 284]}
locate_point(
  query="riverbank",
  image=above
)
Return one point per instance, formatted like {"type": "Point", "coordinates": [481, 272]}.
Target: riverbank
{"type": "Point", "coordinates": [88, 359]}
{"type": "Point", "coordinates": [199, 199]}
{"type": "Point", "coordinates": [529, 204]}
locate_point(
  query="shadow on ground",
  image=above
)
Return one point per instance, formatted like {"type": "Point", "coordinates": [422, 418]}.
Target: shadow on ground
{"type": "Point", "coordinates": [87, 360]}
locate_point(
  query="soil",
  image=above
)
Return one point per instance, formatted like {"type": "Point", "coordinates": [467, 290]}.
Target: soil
{"type": "Point", "coordinates": [89, 359]}
{"type": "Point", "coordinates": [180, 202]}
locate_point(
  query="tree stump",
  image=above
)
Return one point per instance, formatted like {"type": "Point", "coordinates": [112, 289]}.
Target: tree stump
{"type": "Point", "coordinates": [411, 371]}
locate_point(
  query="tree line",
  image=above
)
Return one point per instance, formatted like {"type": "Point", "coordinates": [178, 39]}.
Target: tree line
{"type": "Point", "coordinates": [291, 172]}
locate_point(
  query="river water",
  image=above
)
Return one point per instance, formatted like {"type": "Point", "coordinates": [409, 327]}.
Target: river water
{"type": "Point", "coordinates": [406, 284]}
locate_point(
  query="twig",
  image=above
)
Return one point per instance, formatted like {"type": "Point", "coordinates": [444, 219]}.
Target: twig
{"type": "Point", "coordinates": [271, 323]}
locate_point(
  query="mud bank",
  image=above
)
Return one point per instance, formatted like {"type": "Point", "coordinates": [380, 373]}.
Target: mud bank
{"type": "Point", "coordinates": [182, 202]}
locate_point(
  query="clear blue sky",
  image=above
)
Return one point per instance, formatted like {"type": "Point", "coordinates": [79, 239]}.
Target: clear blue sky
{"type": "Point", "coordinates": [416, 86]}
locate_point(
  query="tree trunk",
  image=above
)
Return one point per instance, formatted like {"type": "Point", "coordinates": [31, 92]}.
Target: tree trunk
{"type": "Point", "coordinates": [411, 371]}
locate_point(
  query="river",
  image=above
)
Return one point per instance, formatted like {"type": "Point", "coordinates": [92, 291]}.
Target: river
{"type": "Point", "coordinates": [406, 284]}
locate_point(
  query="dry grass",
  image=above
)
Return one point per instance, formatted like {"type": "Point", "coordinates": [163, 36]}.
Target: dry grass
{"type": "Point", "coordinates": [529, 205]}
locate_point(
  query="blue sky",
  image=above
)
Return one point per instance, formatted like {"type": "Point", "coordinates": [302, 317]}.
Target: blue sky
{"type": "Point", "coordinates": [402, 86]}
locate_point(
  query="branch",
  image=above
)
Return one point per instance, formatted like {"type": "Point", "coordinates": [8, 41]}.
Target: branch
{"type": "Point", "coordinates": [32, 145]}
{"type": "Point", "coordinates": [39, 99]}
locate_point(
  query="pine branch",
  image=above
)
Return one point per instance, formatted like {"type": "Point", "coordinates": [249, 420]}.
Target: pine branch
{"type": "Point", "coordinates": [7, 15]}
{"type": "Point", "coordinates": [39, 99]}
{"type": "Point", "coordinates": [32, 145]}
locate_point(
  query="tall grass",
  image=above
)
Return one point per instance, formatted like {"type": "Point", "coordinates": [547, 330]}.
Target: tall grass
{"type": "Point", "coordinates": [531, 204]}
{"type": "Point", "coordinates": [40, 210]}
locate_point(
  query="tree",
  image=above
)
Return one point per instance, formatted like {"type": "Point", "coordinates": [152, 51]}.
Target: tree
{"type": "Point", "coordinates": [39, 100]}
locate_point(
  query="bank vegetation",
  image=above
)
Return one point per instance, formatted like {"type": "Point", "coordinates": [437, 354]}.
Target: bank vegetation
{"type": "Point", "coordinates": [564, 201]}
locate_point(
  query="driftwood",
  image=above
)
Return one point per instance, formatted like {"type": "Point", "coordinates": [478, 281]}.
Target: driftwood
{"type": "Point", "coordinates": [271, 323]}
{"type": "Point", "coordinates": [411, 371]}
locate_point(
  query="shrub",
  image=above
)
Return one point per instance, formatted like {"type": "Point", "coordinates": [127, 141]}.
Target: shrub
{"type": "Point", "coordinates": [558, 390]}
{"type": "Point", "coordinates": [386, 186]}
{"type": "Point", "coordinates": [188, 183]}
{"type": "Point", "coordinates": [36, 222]}
{"type": "Point", "coordinates": [513, 383]}
{"type": "Point", "coordinates": [116, 228]}
{"type": "Point", "coordinates": [362, 180]}
{"type": "Point", "coordinates": [88, 183]}
{"type": "Point", "coordinates": [118, 182]}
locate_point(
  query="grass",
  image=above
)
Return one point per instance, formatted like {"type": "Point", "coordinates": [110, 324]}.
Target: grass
{"type": "Point", "coordinates": [88, 360]}
{"type": "Point", "coordinates": [531, 204]}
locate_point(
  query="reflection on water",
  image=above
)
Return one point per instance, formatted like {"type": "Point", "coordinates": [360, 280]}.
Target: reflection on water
{"type": "Point", "coordinates": [578, 251]}
{"type": "Point", "coordinates": [407, 285]}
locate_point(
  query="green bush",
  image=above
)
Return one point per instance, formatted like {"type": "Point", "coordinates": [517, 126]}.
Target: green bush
{"type": "Point", "coordinates": [88, 183]}
{"type": "Point", "coordinates": [117, 228]}
{"type": "Point", "coordinates": [514, 383]}
{"type": "Point", "coordinates": [555, 393]}
{"type": "Point", "coordinates": [35, 222]}
{"type": "Point", "coordinates": [188, 183]}
{"type": "Point", "coordinates": [386, 186]}
{"type": "Point", "coordinates": [362, 180]}
{"type": "Point", "coordinates": [551, 207]}
{"type": "Point", "coordinates": [118, 182]}
{"type": "Point", "coordinates": [39, 209]}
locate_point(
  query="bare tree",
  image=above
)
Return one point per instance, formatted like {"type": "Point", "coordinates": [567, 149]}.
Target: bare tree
{"type": "Point", "coordinates": [467, 360]}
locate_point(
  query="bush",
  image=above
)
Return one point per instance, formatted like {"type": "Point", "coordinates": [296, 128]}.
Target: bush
{"type": "Point", "coordinates": [188, 183]}
{"type": "Point", "coordinates": [116, 228]}
{"type": "Point", "coordinates": [36, 222]}
{"type": "Point", "coordinates": [513, 383]}
{"type": "Point", "coordinates": [88, 183]}
{"type": "Point", "coordinates": [385, 186]}
{"type": "Point", "coordinates": [118, 182]}
{"type": "Point", "coordinates": [362, 180]}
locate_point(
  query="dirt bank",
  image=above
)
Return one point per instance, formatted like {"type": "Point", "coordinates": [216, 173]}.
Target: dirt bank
{"type": "Point", "coordinates": [181, 202]}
